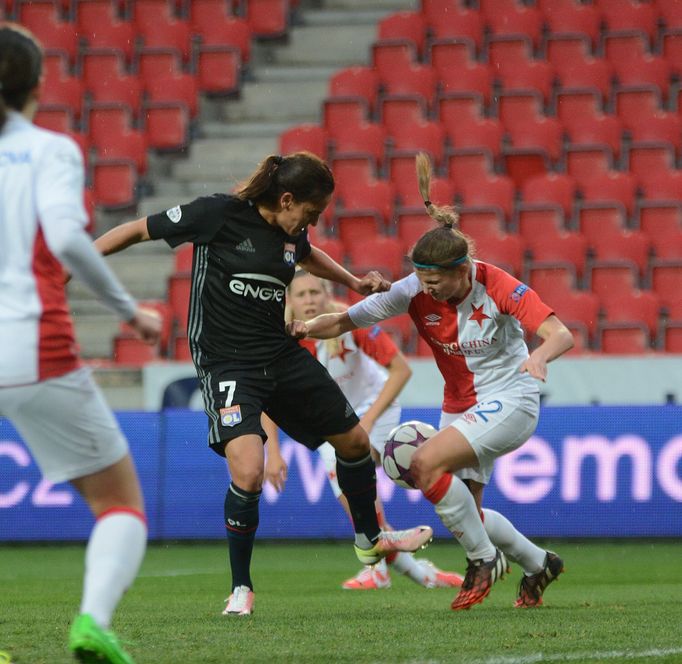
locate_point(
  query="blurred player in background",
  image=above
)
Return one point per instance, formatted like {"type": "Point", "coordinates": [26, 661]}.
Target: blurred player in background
{"type": "Point", "coordinates": [371, 371]}
{"type": "Point", "coordinates": [471, 314]}
{"type": "Point", "coordinates": [44, 391]}
{"type": "Point", "coordinates": [246, 247]}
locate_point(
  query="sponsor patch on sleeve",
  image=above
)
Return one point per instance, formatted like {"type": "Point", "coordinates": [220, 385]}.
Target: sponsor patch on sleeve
{"type": "Point", "coordinates": [374, 332]}
{"type": "Point", "coordinates": [518, 292]}
{"type": "Point", "coordinates": [174, 214]}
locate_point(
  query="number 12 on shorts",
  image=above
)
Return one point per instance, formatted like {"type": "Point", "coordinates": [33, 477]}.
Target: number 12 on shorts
{"type": "Point", "coordinates": [229, 415]}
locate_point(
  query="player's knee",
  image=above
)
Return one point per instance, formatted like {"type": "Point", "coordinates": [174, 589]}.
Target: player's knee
{"type": "Point", "coordinates": [422, 470]}
{"type": "Point", "coordinates": [352, 445]}
{"type": "Point", "coordinates": [248, 479]}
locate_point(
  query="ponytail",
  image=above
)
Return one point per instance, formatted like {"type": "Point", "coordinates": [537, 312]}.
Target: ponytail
{"type": "Point", "coordinates": [302, 174]}
{"type": "Point", "coordinates": [444, 247]}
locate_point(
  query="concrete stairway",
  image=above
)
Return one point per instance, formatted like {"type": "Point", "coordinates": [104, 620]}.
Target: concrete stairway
{"type": "Point", "coordinates": [285, 85]}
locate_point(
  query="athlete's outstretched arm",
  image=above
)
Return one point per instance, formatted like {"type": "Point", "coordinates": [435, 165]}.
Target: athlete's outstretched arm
{"type": "Point", "coordinates": [324, 266]}
{"type": "Point", "coordinates": [324, 326]}
{"type": "Point", "coordinates": [557, 340]}
{"type": "Point", "coordinates": [123, 236]}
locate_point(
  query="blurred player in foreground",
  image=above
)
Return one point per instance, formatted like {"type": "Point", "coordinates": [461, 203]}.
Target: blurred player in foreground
{"type": "Point", "coordinates": [371, 371]}
{"type": "Point", "coordinates": [471, 314]}
{"type": "Point", "coordinates": [44, 391]}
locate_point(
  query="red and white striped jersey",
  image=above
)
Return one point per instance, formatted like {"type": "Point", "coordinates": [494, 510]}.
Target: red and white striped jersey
{"type": "Point", "coordinates": [358, 366]}
{"type": "Point", "coordinates": [477, 343]}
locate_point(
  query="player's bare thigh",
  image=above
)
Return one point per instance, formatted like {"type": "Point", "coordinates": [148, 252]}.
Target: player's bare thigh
{"type": "Point", "coordinates": [246, 458]}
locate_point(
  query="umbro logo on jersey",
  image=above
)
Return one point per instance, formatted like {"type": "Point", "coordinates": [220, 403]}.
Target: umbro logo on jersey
{"type": "Point", "coordinates": [246, 246]}
{"type": "Point", "coordinates": [432, 319]}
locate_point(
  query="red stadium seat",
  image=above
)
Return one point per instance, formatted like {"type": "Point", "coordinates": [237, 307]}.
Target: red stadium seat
{"type": "Point", "coordinates": [55, 118]}
{"type": "Point", "coordinates": [569, 248]}
{"type": "Point", "coordinates": [613, 186]}
{"type": "Point", "coordinates": [453, 107]}
{"type": "Point", "coordinates": [519, 107]}
{"type": "Point", "coordinates": [608, 278]}
{"type": "Point", "coordinates": [644, 159]}
{"type": "Point", "coordinates": [574, 19]}
{"type": "Point", "coordinates": [641, 306]}
{"type": "Point", "coordinates": [627, 15]}
{"type": "Point", "coordinates": [632, 246]}
{"type": "Point", "coordinates": [535, 147]}
{"type": "Point", "coordinates": [551, 280]}
{"type": "Point", "coordinates": [672, 337]}
{"type": "Point", "coordinates": [393, 55]}
{"type": "Point", "coordinates": [505, 251]}
{"type": "Point", "coordinates": [268, 18]}
{"type": "Point", "coordinates": [183, 259]}
{"type": "Point", "coordinates": [660, 219]}
{"type": "Point", "coordinates": [663, 186]}
{"type": "Point", "coordinates": [366, 139]}
{"type": "Point", "coordinates": [332, 247]}
{"type": "Point", "coordinates": [485, 133]}
{"type": "Point", "coordinates": [577, 107]}
{"type": "Point", "coordinates": [457, 23]}
{"type": "Point", "coordinates": [106, 122]}
{"type": "Point", "coordinates": [410, 26]}
{"type": "Point", "coordinates": [536, 75]}
{"type": "Point", "coordinates": [339, 112]}
{"type": "Point", "coordinates": [481, 221]}
{"type": "Point", "coordinates": [147, 11]}
{"type": "Point", "coordinates": [474, 79]}
{"type": "Point", "coordinates": [671, 48]}
{"type": "Point", "coordinates": [181, 351]}
{"type": "Point", "coordinates": [644, 70]}
{"type": "Point", "coordinates": [218, 69]}
{"type": "Point", "coordinates": [229, 31]}
{"type": "Point", "coordinates": [308, 137]}
{"type": "Point", "coordinates": [630, 338]}
{"type": "Point", "coordinates": [535, 219]}
{"type": "Point", "coordinates": [375, 196]}
{"type": "Point", "coordinates": [402, 331]}
{"type": "Point", "coordinates": [181, 88]}
{"type": "Point", "coordinates": [665, 278]}
{"type": "Point", "coordinates": [575, 307]}
{"type": "Point", "coordinates": [179, 287]}
{"type": "Point", "coordinates": [505, 52]}
{"type": "Point", "coordinates": [451, 52]}
{"type": "Point", "coordinates": [624, 45]}
{"type": "Point", "coordinates": [662, 127]}
{"type": "Point", "coordinates": [351, 169]}
{"type": "Point", "coordinates": [42, 18]}
{"type": "Point", "coordinates": [417, 80]}
{"type": "Point", "coordinates": [130, 145]}
{"type": "Point", "coordinates": [566, 50]}
{"type": "Point", "coordinates": [65, 90]}
{"type": "Point", "coordinates": [134, 352]}
{"type": "Point", "coordinates": [551, 188]}
{"type": "Point", "coordinates": [114, 183]}
{"type": "Point", "coordinates": [166, 32]}
{"type": "Point", "coordinates": [167, 125]}
{"type": "Point", "coordinates": [379, 253]}
{"type": "Point", "coordinates": [671, 13]}
{"type": "Point", "coordinates": [398, 110]}
{"type": "Point", "coordinates": [357, 226]}
{"type": "Point", "coordinates": [355, 82]}
{"type": "Point", "coordinates": [634, 105]}
{"type": "Point", "coordinates": [601, 220]}
{"type": "Point", "coordinates": [425, 136]}
{"type": "Point", "coordinates": [515, 20]}
{"type": "Point", "coordinates": [101, 64]}
{"type": "Point", "coordinates": [116, 89]}
{"type": "Point", "coordinates": [584, 162]}
{"type": "Point", "coordinates": [411, 224]}
{"type": "Point", "coordinates": [604, 130]}
{"type": "Point", "coordinates": [494, 190]}
{"type": "Point", "coordinates": [151, 63]}
{"type": "Point", "coordinates": [667, 246]}
{"type": "Point", "coordinates": [591, 73]}
{"type": "Point", "coordinates": [93, 15]}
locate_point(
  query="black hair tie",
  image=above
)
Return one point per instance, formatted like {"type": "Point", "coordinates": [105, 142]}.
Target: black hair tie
{"type": "Point", "coordinates": [428, 203]}
{"type": "Point", "coordinates": [277, 160]}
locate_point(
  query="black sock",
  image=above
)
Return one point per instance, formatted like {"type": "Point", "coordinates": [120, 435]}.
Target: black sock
{"type": "Point", "coordinates": [241, 522]}
{"type": "Point", "coordinates": [358, 481]}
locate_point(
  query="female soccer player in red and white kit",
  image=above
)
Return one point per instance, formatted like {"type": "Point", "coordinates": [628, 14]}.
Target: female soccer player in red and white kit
{"type": "Point", "coordinates": [371, 372]}
{"type": "Point", "coordinates": [48, 395]}
{"type": "Point", "coordinates": [472, 315]}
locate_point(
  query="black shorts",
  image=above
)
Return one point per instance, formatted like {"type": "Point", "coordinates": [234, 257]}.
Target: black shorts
{"type": "Point", "coordinates": [296, 391]}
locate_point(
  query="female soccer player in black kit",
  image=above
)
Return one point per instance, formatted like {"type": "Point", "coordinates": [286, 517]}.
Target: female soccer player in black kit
{"type": "Point", "coordinates": [246, 247]}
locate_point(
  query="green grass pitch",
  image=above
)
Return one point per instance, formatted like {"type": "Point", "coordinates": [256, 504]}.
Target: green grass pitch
{"type": "Point", "coordinates": [616, 602]}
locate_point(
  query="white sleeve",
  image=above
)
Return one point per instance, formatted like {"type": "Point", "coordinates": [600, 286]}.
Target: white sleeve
{"type": "Point", "coordinates": [381, 306]}
{"type": "Point", "coordinates": [59, 202]}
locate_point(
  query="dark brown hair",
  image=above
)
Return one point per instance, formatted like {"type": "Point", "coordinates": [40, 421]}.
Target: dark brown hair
{"type": "Point", "coordinates": [446, 244]}
{"type": "Point", "coordinates": [303, 174]}
{"type": "Point", "coordinates": [21, 64]}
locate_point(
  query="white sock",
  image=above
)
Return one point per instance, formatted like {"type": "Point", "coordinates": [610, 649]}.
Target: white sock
{"type": "Point", "coordinates": [406, 563]}
{"type": "Point", "coordinates": [457, 510]}
{"type": "Point", "coordinates": [381, 567]}
{"type": "Point", "coordinates": [113, 556]}
{"type": "Point", "coordinates": [515, 546]}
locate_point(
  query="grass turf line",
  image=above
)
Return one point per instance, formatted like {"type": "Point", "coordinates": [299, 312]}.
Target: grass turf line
{"type": "Point", "coordinates": [614, 598]}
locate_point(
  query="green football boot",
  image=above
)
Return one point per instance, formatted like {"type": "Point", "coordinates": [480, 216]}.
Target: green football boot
{"type": "Point", "coordinates": [93, 645]}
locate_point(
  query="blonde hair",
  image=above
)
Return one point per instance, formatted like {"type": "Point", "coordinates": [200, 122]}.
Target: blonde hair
{"type": "Point", "coordinates": [445, 246]}
{"type": "Point", "coordinates": [334, 346]}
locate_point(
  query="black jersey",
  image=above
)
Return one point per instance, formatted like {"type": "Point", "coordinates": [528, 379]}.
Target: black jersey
{"type": "Point", "coordinates": [240, 271]}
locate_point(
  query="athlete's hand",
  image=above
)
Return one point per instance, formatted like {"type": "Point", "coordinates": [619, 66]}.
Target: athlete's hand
{"type": "Point", "coordinates": [297, 329]}
{"type": "Point", "coordinates": [535, 367]}
{"type": "Point", "coordinates": [276, 471]}
{"type": "Point", "coordinates": [147, 324]}
{"type": "Point", "coordinates": [373, 282]}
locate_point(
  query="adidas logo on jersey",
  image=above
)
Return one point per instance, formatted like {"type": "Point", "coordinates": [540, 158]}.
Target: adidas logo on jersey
{"type": "Point", "coordinates": [247, 246]}
{"type": "Point", "coordinates": [349, 410]}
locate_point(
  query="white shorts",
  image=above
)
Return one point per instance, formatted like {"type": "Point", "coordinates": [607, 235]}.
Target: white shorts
{"type": "Point", "coordinates": [66, 424]}
{"type": "Point", "coordinates": [494, 427]}
{"type": "Point", "coordinates": [387, 421]}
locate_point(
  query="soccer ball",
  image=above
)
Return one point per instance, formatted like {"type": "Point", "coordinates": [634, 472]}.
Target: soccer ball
{"type": "Point", "coordinates": [399, 448]}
